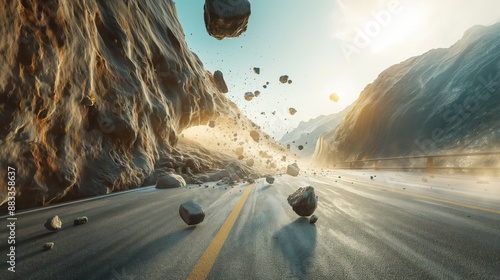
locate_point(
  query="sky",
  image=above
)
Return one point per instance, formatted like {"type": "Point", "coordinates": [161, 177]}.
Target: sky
{"type": "Point", "coordinates": [325, 47]}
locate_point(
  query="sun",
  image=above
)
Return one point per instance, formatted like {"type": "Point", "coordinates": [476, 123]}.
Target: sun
{"type": "Point", "coordinates": [401, 28]}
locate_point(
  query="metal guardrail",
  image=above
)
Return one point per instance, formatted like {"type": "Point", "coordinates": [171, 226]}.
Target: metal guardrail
{"type": "Point", "coordinates": [429, 167]}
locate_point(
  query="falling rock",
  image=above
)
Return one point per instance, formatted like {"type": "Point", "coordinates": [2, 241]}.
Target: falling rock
{"type": "Point", "coordinates": [256, 93]}
{"type": "Point", "coordinates": [293, 169]}
{"type": "Point", "coordinates": [303, 201]}
{"type": "Point", "coordinates": [80, 220]}
{"type": "Point", "coordinates": [250, 180]}
{"type": "Point", "coordinates": [249, 96]}
{"type": "Point", "coordinates": [313, 219]}
{"type": "Point", "coordinates": [239, 151]}
{"type": "Point", "coordinates": [191, 213]}
{"type": "Point", "coordinates": [212, 124]}
{"type": "Point", "coordinates": [53, 223]}
{"type": "Point", "coordinates": [220, 83]}
{"type": "Point", "coordinates": [170, 181]}
{"type": "Point", "coordinates": [284, 79]}
{"type": "Point", "coordinates": [289, 81]}
{"type": "Point", "coordinates": [292, 111]}
{"type": "Point", "coordinates": [226, 18]}
{"type": "Point", "coordinates": [300, 147]}
{"type": "Point", "coordinates": [270, 179]}
{"type": "Point", "coordinates": [256, 70]}
{"type": "Point", "coordinates": [255, 135]}
{"type": "Point", "coordinates": [250, 162]}
{"type": "Point", "coordinates": [47, 246]}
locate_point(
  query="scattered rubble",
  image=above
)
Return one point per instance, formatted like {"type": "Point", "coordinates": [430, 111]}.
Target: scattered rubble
{"type": "Point", "coordinates": [313, 219]}
{"type": "Point", "coordinates": [270, 179]}
{"type": "Point", "coordinates": [191, 213]}
{"type": "Point", "coordinates": [300, 147]}
{"type": "Point", "coordinates": [170, 181]}
{"type": "Point", "coordinates": [256, 70]}
{"type": "Point", "coordinates": [292, 111]}
{"type": "Point", "coordinates": [255, 135]}
{"type": "Point", "coordinates": [250, 180]}
{"type": "Point", "coordinates": [293, 169]}
{"type": "Point", "coordinates": [48, 246]}
{"type": "Point", "coordinates": [80, 220]}
{"type": "Point", "coordinates": [256, 93]}
{"type": "Point", "coordinates": [284, 79]}
{"type": "Point", "coordinates": [249, 96]}
{"type": "Point", "coordinates": [212, 124]}
{"type": "Point", "coordinates": [250, 162]}
{"type": "Point", "coordinates": [303, 201]}
{"type": "Point", "coordinates": [219, 81]}
{"type": "Point", "coordinates": [53, 224]}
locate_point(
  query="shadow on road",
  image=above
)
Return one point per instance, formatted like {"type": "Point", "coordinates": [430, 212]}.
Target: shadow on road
{"type": "Point", "coordinates": [264, 188]}
{"type": "Point", "coordinates": [297, 242]}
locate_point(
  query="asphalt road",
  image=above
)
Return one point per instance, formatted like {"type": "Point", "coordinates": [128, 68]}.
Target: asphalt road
{"type": "Point", "coordinates": [396, 226]}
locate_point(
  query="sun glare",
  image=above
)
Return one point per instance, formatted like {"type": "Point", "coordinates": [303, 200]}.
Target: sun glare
{"type": "Point", "coordinates": [400, 29]}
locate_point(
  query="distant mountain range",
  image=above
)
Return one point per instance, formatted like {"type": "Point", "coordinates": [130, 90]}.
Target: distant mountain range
{"type": "Point", "coordinates": [446, 99]}
{"type": "Point", "coordinates": [306, 134]}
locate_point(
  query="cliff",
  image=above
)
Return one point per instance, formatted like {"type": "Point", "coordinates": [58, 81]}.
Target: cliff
{"type": "Point", "coordinates": [443, 100]}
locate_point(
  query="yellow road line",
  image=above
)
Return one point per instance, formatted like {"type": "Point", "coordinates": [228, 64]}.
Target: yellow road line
{"type": "Point", "coordinates": [440, 200]}
{"type": "Point", "coordinates": [204, 265]}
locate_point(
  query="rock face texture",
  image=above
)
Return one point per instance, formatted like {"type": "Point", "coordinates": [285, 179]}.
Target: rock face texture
{"type": "Point", "coordinates": [445, 99]}
{"type": "Point", "coordinates": [303, 201]}
{"type": "Point", "coordinates": [94, 95]}
{"type": "Point", "coordinates": [308, 133]}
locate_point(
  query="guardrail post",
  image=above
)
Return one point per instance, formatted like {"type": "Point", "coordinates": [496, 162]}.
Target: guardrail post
{"type": "Point", "coordinates": [429, 168]}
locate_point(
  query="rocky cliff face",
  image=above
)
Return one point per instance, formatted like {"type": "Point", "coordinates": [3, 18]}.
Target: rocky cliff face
{"type": "Point", "coordinates": [446, 99]}
{"type": "Point", "coordinates": [307, 133]}
{"type": "Point", "coordinates": [93, 96]}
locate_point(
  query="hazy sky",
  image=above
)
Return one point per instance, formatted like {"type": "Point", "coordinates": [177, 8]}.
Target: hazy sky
{"type": "Point", "coordinates": [325, 47]}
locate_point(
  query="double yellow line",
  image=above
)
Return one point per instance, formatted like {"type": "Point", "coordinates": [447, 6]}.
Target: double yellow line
{"type": "Point", "coordinates": [207, 260]}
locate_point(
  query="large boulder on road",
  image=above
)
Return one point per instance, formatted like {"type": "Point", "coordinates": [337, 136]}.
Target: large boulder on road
{"type": "Point", "coordinates": [191, 213]}
{"type": "Point", "coordinates": [170, 181]}
{"type": "Point", "coordinates": [303, 201]}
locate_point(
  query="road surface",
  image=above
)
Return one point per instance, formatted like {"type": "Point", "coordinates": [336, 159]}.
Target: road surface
{"type": "Point", "coordinates": [396, 226]}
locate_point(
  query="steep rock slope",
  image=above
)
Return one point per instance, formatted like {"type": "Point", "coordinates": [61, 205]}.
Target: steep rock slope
{"type": "Point", "coordinates": [308, 133]}
{"type": "Point", "coordinates": [93, 96]}
{"type": "Point", "coordinates": [445, 99]}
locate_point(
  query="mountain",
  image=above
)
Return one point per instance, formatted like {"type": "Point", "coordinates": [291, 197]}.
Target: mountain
{"type": "Point", "coordinates": [446, 99]}
{"type": "Point", "coordinates": [307, 133]}
{"type": "Point", "coordinates": [95, 95]}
